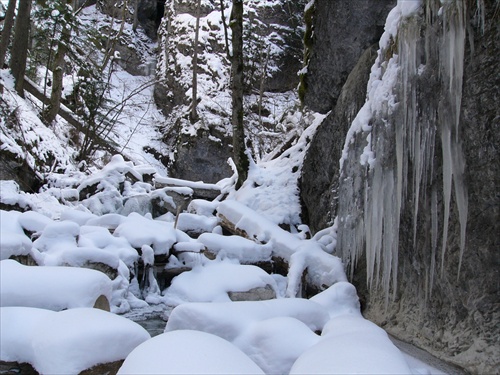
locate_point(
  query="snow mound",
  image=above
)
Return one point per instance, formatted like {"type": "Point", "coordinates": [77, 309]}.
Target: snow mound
{"type": "Point", "coordinates": [139, 230]}
{"type": "Point", "coordinates": [212, 282]}
{"type": "Point", "coordinates": [275, 344]}
{"type": "Point", "coordinates": [188, 352]}
{"type": "Point", "coordinates": [52, 288]}
{"type": "Point", "coordinates": [236, 247]}
{"type": "Point", "coordinates": [351, 344]}
{"type": "Point", "coordinates": [341, 298]}
{"type": "Point", "coordinates": [13, 241]}
{"type": "Point", "coordinates": [230, 319]}
{"type": "Point", "coordinates": [17, 325]}
{"type": "Point", "coordinates": [71, 341]}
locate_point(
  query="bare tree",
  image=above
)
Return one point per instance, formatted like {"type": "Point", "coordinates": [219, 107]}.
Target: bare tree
{"type": "Point", "coordinates": [19, 52]}
{"type": "Point", "coordinates": [7, 30]}
{"type": "Point", "coordinates": [194, 115]}
{"type": "Point", "coordinates": [224, 24]}
{"type": "Point", "coordinates": [240, 158]}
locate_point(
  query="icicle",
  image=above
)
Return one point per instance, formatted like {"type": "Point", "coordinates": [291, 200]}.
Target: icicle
{"type": "Point", "coordinates": [452, 66]}
{"type": "Point", "coordinates": [434, 238]}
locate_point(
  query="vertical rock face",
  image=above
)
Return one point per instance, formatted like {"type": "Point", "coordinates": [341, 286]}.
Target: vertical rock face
{"type": "Point", "coordinates": [344, 44]}
{"type": "Point", "coordinates": [342, 30]}
{"type": "Point", "coordinates": [320, 173]}
{"type": "Point", "coordinates": [417, 194]}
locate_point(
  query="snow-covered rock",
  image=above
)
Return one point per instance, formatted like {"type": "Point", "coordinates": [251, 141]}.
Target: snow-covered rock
{"type": "Point", "coordinates": [230, 319]}
{"type": "Point", "coordinates": [52, 288]}
{"type": "Point", "coordinates": [13, 240]}
{"type": "Point", "coordinates": [188, 352]}
{"type": "Point", "coordinates": [63, 345]}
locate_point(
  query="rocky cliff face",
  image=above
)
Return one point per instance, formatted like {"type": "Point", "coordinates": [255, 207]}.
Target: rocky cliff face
{"type": "Point", "coordinates": [341, 31]}
{"type": "Point", "coordinates": [417, 206]}
{"type": "Point", "coordinates": [342, 51]}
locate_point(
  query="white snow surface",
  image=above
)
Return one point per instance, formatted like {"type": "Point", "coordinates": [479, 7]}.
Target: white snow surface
{"type": "Point", "coordinates": [212, 281]}
{"type": "Point", "coordinates": [188, 352]}
{"type": "Point", "coordinates": [66, 342]}
{"type": "Point", "coordinates": [53, 288]}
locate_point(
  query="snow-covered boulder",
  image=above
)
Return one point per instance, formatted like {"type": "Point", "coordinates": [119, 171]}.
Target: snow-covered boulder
{"type": "Point", "coordinates": [354, 345]}
{"type": "Point", "coordinates": [140, 230]}
{"type": "Point", "coordinates": [17, 325]}
{"type": "Point", "coordinates": [213, 281]}
{"type": "Point", "coordinates": [13, 240]}
{"type": "Point", "coordinates": [78, 339]}
{"type": "Point", "coordinates": [341, 298]}
{"type": "Point", "coordinates": [275, 344]}
{"type": "Point", "coordinates": [236, 247]}
{"type": "Point", "coordinates": [188, 352]}
{"type": "Point", "coordinates": [230, 319]}
{"type": "Point", "coordinates": [53, 288]}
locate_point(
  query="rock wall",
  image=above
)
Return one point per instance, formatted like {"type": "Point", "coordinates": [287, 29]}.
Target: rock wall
{"type": "Point", "coordinates": [342, 52]}
{"type": "Point", "coordinates": [417, 193]}
{"type": "Point", "coordinates": [341, 31]}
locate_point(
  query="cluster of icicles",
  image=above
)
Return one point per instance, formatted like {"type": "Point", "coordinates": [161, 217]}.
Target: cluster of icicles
{"type": "Point", "coordinates": [411, 148]}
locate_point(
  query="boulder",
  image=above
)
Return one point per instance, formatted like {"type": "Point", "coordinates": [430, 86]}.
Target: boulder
{"type": "Point", "coordinates": [254, 294]}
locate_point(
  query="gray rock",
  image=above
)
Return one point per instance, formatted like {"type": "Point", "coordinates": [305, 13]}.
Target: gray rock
{"type": "Point", "coordinates": [343, 29]}
{"type": "Point", "coordinates": [201, 158]}
{"type": "Point", "coordinates": [319, 182]}
{"type": "Point", "coordinates": [110, 368]}
{"type": "Point", "coordinates": [12, 168]}
{"type": "Point", "coordinates": [255, 294]}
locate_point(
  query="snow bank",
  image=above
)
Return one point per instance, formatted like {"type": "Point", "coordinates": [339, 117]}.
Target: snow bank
{"type": "Point", "coordinates": [212, 282]}
{"type": "Point", "coordinates": [230, 319]}
{"type": "Point", "coordinates": [188, 352]}
{"type": "Point", "coordinates": [71, 341]}
{"type": "Point", "coordinates": [53, 288]}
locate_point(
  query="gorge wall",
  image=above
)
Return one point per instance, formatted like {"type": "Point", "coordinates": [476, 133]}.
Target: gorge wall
{"type": "Point", "coordinates": [412, 177]}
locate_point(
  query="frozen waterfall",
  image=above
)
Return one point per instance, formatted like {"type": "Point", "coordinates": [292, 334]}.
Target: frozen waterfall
{"type": "Point", "coordinates": [404, 138]}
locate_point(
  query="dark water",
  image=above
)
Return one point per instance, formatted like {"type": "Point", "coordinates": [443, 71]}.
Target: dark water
{"type": "Point", "coordinates": [155, 325]}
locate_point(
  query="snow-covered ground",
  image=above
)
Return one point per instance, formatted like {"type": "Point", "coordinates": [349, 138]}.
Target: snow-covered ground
{"type": "Point", "coordinates": [66, 233]}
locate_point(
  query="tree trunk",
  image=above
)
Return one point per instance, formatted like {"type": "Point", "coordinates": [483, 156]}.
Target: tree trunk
{"type": "Point", "coordinates": [136, 15]}
{"type": "Point", "coordinates": [7, 30]}
{"type": "Point", "coordinates": [57, 82]}
{"type": "Point", "coordinates": [19, 52]}
{"type": "Point", "coordinates": [240, 158]}
{"type": "Point", "coordinates": [194, 115]}
{"type": "Point", "coordinates": [224, 24]}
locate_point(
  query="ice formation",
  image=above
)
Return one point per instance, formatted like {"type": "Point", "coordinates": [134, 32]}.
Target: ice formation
{"type": "Point", "coordinates": [402, 138]}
